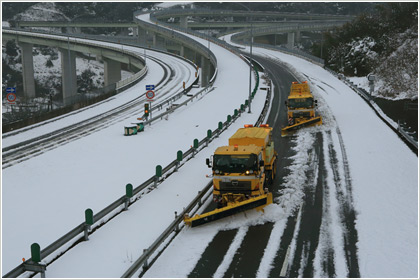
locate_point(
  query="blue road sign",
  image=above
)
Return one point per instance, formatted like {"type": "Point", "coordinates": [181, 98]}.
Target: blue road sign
{"type": "Point", "coordinates": [11, 90]}
{"type": "Point", "coordinates": [150, 87]}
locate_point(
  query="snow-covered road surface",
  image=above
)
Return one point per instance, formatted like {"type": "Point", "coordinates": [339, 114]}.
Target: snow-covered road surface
{"type": "Point", "coordinates": [51, 191]}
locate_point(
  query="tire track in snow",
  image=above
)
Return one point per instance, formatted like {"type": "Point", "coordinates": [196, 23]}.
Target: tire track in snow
{"type": "Point", "coordinates": [248, 256]}
{"type": "Point", "coordinates": [325, 255]}
{"type": "Point", "coordinates": [213, 256]}
{"type": "Point", "coordinates": [227, 260]}
{"type": "Point", "coordinates": [308, 235]}
{"type": "Point", "coordinates": [345, 201]}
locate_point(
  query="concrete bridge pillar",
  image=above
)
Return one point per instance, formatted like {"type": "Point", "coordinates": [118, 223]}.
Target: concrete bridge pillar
{"type": "Point", "coordinates": [205, 71]}
{"type": "Point", "coordinates": [135, 32]}
{"type": "Point", "coordinates": [183, 22]}
{"type": "Point", "coordinates": [182, 51]}
{"type": "Point", "coordinates": [154, 39]}
{"type": "Point", "coordinates": [73, 30]}
{"type": "Point", "coordinates": [297, 36]}
{"type": "Point", "coordinates": [290, 39]}
{"type": "Point", "coordinates": [124, 31]}
{"type": "Point", "coordinates": [112, 71]}
{"type": "Point", "coordinates": [68, 75]}
{"type": "Point", "coordinates": [28, 70]}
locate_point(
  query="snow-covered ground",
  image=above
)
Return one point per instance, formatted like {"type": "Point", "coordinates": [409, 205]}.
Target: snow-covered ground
{"type": "Point", "coordinates": [56, 187]}
{"type": "Point", "coordinates": [44, 197]}
{"type": "Point", "coordinates": [384, 175]}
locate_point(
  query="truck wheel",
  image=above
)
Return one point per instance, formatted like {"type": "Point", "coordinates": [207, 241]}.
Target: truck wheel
{"type": "Point", "coordinates": [274, 169]}
{"type": "Point", "coordinates": [269, 177]}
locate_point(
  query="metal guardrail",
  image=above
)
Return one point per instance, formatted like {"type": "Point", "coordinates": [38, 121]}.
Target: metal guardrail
{"type": "Point", "coordinates": [169, 33]}
{"type": "Point", "coordinates": [198, 12]}
{"type": "Point", "coordinates": [173, 227]}
{"type": "Point", "coordinates": [59, 37]}
{"type": "Point", "coordinates": [118, 205]}
{"type": "Point", "coordinates": [295, 52]}
{"type": "Point", "coordinates": [192, 208]}
{"type": "Point", "coordinates": [407, 136]}
{"type": "Point", "coordinates": [285, 28]}
{"type": "Point", "coordinates": [407, 139]}
{"type": "Point", "coordinates": [118, 86]}
{"type": "Point", "coordinates": [132, 79]}
{"type": "Point", "coordinates": [124, 201]}
{"type": "Point", "coordinates": [411, 143]}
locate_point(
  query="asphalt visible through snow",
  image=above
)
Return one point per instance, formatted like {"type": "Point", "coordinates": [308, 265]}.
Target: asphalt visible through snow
{"type": "Point", "coordinates": [307, 231]}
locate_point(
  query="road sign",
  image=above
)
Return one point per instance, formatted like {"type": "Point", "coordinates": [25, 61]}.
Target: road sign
{"type": "Point", "coordinates": [11, 97]}
{"type": "Point", "coordinates": [11, 90]}
{"type": "Point", "coordinates": [150, 94]}
{"type": "Point", "coordinates": [150, 87]}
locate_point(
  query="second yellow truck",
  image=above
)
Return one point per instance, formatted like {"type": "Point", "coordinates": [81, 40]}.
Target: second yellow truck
{"type": "Point", "coordinates": [300, 108]}
{"type": "Point", "coordinates": [241, 172]}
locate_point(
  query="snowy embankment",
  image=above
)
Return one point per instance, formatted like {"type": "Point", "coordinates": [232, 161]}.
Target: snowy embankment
{"type": "Point", "coordinates": [384, 174]}
{"type": "Point", "coordinates": [57, 186]}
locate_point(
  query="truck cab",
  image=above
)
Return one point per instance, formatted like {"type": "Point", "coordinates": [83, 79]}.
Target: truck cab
{"type": "Point", "coordinates": [243, 169]}
{"type": "Point", "coordinates": [300, 103]}
{"type": "Point", "coordinates": [237, 171]}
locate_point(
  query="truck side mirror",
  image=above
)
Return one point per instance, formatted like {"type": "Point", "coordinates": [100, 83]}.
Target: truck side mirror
{"type": "Point", "coordinates": [261, 163]}
{"type": "Point", "coordinates": [208, 162]}
{"type": "Point", "coordinates": [285, 102]}
{"type": "Point", "coordinates": [316, 102]}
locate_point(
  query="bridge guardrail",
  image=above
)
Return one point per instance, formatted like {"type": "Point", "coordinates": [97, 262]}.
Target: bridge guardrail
{"type": "Point", "coordinates": [179, 12]}
{"type": "Point", "coordinates": [169, 33]}
{"type": "Point", "coordinates": [59, 37]}
{"type": "Point", "coordinates": [108, 90]}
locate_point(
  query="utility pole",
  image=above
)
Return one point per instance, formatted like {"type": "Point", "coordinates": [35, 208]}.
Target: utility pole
{"type": "Point", "coordinates": [250, 62]}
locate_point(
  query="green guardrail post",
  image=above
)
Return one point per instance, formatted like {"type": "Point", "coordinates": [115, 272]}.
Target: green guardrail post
{"type": "Point", "coordinates": [195, 147]}
{"type": "Point", "coordinates": [219, 128]}
{"type": "Point", "coordinates": [179, 156]}
{"type": "Point", "coordinates": [35, 252]}
{"type": "Point", "coordinates": [229, 118]}
{"type": "Point", "coordinates": [158, 171]}
{"type": "Point", "coordinates": [35, 265]}
{"type": "Point", "coordinates": [209, 132]}
{"type": "Point", "coordinates": [158, 174]}
{"type": "Point", "coordinates": [89, 216]}
{"type": "Point", "coordinates": [88, 222]}
{"type": "Point", "coordinates": [128, 195]}
{"type": "Point", "coordinates": [246, 102]}
{"type": "Point", "coordinates": [242, 107]}
{"type": "Point", "coordinates": [235, 113]}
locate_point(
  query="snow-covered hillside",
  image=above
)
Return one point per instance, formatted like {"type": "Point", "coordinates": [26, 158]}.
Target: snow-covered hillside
{"type": "Point", "coordinates": [45, 11]}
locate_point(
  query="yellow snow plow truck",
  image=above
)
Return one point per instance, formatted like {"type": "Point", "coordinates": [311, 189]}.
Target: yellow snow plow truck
{"type": "Point", "coordinates": [241, 173]}
{"type": "Point", "coordinates": [300, 108]}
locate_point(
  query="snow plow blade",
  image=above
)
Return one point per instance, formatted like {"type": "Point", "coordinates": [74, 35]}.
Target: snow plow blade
{"type": "Point", "coordinates": [258, 202]}
{"type": "Point", "coordinates": [315, 121]}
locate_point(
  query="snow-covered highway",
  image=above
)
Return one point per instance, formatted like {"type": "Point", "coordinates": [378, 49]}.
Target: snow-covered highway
{"type": "Point", "coordinates": [91, 172]}
{"type": "Point", "coordinates": [45, 196]}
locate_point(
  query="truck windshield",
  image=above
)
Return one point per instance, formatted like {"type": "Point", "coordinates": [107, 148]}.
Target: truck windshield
{"type": "Point", "coordinates": [235, 163]}
{"type": "Point", "coordinates": [301, 103]}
